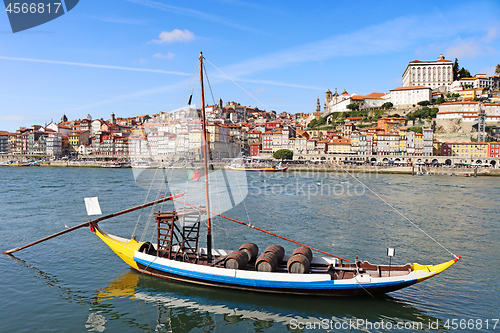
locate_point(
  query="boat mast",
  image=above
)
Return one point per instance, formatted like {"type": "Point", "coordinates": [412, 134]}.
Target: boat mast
{"type": "Point", "coordinates": [205, 160]}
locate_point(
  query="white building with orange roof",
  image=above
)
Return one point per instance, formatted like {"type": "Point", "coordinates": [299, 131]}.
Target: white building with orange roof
{"type": "Point", "coordinates": [478, 81]}
{"type": "Point", "coordinates": [467, 111]}
{"type": "Point", "coordinates": [410, 95]}
{"type": "Point", "coordinates": [432, 74]}
{"type": "Point", "coordinates": [373, 100]}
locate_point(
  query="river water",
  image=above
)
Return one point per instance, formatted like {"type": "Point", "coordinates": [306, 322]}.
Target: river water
{"type": "Point", "coordinates": [74, 283]}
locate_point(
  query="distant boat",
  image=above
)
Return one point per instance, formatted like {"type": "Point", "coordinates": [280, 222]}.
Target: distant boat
{"type": "Point", "coordinates": [142, 165]}
{"type": "Point", "coordinates": [115, 165]}
{"type": "Point", "coordinates": [111, 165]}
{"type": "Point", "coordinates": [257, 167]}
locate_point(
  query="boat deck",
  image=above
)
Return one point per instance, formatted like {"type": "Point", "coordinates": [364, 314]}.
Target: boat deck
{"type": "Point", "coordinates": [319, 265]}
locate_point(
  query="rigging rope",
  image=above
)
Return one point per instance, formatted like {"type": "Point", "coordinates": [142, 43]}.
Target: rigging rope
{"type": "Point", "coordinates": [145, 200]}
{"type": "Point", "coordinates": [189, 85]}
{"type": "Point", "coordinates": [397, 211]}
{"type": "Point", "coordinates": [237, 84]}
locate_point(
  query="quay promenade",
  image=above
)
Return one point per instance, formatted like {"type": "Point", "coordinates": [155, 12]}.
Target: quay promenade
{"type": "Point", "coordinates": [457, 170]}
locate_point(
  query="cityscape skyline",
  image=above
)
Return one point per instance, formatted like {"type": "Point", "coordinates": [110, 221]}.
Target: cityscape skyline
{"type": "Point", "coordinates": [136, 56]}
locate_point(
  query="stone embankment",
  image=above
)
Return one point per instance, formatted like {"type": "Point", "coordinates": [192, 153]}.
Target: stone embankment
{"type": "Point", "coordinates": [408, 170]}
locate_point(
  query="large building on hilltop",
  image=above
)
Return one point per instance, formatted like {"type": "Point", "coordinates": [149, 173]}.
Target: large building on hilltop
{"type": "Point", "coordinates": [432, 74]}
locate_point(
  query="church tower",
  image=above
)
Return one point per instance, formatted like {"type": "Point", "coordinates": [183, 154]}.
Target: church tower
{"type": "Point", "coordinates": [328, 99]}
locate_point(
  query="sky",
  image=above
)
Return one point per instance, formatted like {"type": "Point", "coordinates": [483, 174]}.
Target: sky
{"type": "Point", "coordinates": [135, 57]}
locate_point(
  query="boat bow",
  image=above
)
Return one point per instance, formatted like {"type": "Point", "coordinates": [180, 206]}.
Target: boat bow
{"type": "Point", "coordinates": [433, 269]}
{"type": "Point", "coordinates": [124, 248]}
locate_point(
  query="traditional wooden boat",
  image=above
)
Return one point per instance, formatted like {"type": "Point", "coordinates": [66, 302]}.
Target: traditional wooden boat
{"type": "Point", "coordinates": [176, 253]}
{"type": "Point", "coordinates": [320, 276]}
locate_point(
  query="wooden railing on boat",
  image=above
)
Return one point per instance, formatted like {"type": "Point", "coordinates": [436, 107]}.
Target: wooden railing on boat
{"type": "Point", "coordinates": [178, 234]}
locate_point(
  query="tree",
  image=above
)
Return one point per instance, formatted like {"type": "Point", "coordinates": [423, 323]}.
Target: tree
{"type": "Point", "coordinates": [455, 70]}
{"type": "Point", "coordinates": [317, 122]}
{"type": "Point", "coordinates": [415, 129]}
{"type": "Point", "coordinates": [283, 154]}
{"type": "Point", "coordinates": [353, 106]}
{"type": "Point", "coordinates": [387, 105]}
{"type": "Point", "coordinates": [439, 100]}
{"type": "Point", "coordinates": [497, 69]}
{"type": "Point", "coordinates": [463, 73]}
{"type": "Point", "coordinates": [423, 103]}
{"type": "Point", "coordinates": [312, 123]}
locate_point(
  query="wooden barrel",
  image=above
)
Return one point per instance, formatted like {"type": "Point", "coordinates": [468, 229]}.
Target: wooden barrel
{"type": "Point", "coordinates": [277, 250]}
{"type": "Point", "coordinates": [236, 260]}
{"type": "Point", "coordinates": [250, 250]}
{"type": "Point", "coordinates": [298, 264]}
{"type": "Point", "coordinates": [266, 262]}
{"type": "Point", "coordinates": [304, 251]}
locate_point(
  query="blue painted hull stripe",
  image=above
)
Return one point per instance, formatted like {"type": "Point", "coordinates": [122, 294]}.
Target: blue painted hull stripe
{"type": "Point", "coordinates": [320, 285]}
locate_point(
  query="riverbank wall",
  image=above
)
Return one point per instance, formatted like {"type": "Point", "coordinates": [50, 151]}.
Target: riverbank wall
{"type": "Point", "coordinates": [335, 168]}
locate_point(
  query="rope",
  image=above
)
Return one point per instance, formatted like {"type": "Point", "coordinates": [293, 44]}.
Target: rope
{"type": "Point", "coordinates": [397, 211]}
{"type": "Point", "coordinates": [145, 200]}
{"type": "Point", "coordinates": [265, 107]}
{"type": "Point", "coordinates": [369, 293]}
{"type": "Point", "coordinates": [189, 85]}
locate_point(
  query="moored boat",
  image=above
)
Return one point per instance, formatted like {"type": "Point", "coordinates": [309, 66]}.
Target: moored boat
{"type": "Point", "coordinates": [176, 254]}
{"type": "Point", "coordinates": [174, 251]}
{"type": "Point", "coordinates": [258, 168]}
{"type": "Point", "coordinates": [325, 277]}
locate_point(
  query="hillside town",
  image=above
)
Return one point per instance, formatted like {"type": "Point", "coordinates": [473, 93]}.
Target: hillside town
{"type": "Point", "coordinates": [438, 111]}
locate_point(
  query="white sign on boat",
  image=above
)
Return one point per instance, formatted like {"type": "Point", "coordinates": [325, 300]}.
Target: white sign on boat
{"type": "Point", "coordinates": [92, 205]}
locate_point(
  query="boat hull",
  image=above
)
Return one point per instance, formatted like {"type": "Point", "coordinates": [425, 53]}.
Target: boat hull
{"type": "Point", "coordinates": [351, 290]}
{"type": "Point", "coordinates": [318, 283]}
{"type": "Point", "coordinates": [263, 169]}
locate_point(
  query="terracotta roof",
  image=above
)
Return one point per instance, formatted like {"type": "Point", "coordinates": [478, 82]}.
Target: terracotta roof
{"type": "Point", "coordinates": [473, 102]}
{"type": "Point", "coordinates": [411, 88]}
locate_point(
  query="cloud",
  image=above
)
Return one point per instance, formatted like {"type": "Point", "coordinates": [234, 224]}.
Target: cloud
{"type": "Point", "coordinates": [282, 84]}
{"type": "Point", "coordinates": [474, 47]}
{"type": "Point", "coordinates": [469, 48]}
{"type": "Point", "coordinates": [391, 36]}
{"type": "Point", "coordinates": [129, 96]}
{"type": "Point", "coordinates": [119, 20]}
{"type": "Point", "coordinates": [396, 35]}
{"type": "Point", "coordinates": [221, 20]}
{"type": "Point", "coordinates": [488, 70]}
{"type": "Point", "coordinates": [169, 55]}
{"type": "Point", "coordinates": [175, 35]}
{"type": "Point", "coordinates": [491, 35]}
{"type": "Point", "coordinates": [80, 64]}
